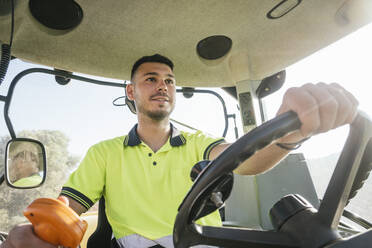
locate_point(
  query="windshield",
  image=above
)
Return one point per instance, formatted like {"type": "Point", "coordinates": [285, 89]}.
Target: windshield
{"type": "Point", "coordinates": [68, 119]}
{"type": "Point", "coordinates": [346, 62]}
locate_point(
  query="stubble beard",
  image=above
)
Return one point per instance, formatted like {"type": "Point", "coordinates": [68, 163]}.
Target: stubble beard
{"type": "Point", "coordinates": [157, 115]}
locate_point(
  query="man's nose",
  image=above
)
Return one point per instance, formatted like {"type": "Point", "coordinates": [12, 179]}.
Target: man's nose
{"type": "Point", "coordinates": [162, 86]}
{"type": "Point", "coordinates": [27, 156]}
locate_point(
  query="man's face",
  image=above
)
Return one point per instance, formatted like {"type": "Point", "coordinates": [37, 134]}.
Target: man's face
{"type": "Point", "coordinates": [153, 90]}
{"type": "Point", "coordinates": [24, 164]}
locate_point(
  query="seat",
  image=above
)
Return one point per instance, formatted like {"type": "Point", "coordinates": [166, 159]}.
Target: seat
{"type": "Point", "coordinates": [102, 236]}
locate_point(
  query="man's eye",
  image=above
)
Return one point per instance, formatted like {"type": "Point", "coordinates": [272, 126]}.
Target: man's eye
{"type": "Point", "coordinates": [151, 79]}
{"type": "Point", "coordinates": [169, 81]}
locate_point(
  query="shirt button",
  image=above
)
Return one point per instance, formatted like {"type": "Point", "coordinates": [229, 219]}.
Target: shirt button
{"type": "Point", "coordinates": [154, 163]}
{"type": "Point", "coordinates": [150, 154]}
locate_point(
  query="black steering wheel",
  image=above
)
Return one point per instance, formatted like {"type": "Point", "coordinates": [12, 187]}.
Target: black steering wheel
{"type": "Point", "coordinates": [296, 222]}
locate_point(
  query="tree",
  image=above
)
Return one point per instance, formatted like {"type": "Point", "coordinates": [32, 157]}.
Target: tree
{"type": "Point", "coordinates": [3, 142]}
{"type": "Point", "coordinates": [60, 163]}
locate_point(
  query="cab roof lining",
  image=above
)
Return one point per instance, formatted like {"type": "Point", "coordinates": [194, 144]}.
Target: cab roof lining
{"type": "Point", "coordinates": [113, 34]}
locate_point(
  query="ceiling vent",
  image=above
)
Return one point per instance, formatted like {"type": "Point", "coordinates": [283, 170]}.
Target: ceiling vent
{"type": "Point", "coordinates": [57, 14]}
{"type": "Point", "coordinates": [214, 47]}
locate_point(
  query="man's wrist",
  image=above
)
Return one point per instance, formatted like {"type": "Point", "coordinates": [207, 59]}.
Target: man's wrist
{"type": "Point", "coordinates": [292, 141]}
{"type": "Point", "coordinates": [293, 137]}
{"type": "Point", "coordinates": [292, 146]}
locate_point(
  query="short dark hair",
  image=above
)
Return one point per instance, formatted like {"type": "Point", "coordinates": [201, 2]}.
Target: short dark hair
{"type": "Point", "coordinates": [157, 58]}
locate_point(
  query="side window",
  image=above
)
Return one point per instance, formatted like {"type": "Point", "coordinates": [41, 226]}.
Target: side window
{"type": "Point", "coordinates": [68, 119]}
{"type": "Point", "coordinates": [205, 112]}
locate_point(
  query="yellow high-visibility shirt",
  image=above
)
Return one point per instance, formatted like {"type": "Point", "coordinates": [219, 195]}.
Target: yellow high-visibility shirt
{"type": "Point", "coordinates": [142, 189]}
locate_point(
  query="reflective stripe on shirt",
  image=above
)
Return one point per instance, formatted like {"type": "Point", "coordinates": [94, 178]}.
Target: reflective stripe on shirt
{"type": "Point", "coordinates": [138, 241]}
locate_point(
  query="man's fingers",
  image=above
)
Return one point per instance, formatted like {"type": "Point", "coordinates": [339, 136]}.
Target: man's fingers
{"type": "Point", "coordinates": [320, 107]}
{"type": "Point", "coordinates": [327, 106]}
{"type": "Point", "coordinates": [24, 236]}
{"type": "Point", "coordinates": [64, 199]}
{"type": "Point", "coordinates": [305, 105]}
{"type": "Point", "coordinates": [354, 103]}
{"type": "Point", "coordinates": [344, 105]}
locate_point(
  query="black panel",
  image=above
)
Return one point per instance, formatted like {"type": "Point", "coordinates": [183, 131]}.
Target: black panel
{"type": "Point", "coordinates": [271, 84]}
{"type": "Point", "coordinates": [231, 91]}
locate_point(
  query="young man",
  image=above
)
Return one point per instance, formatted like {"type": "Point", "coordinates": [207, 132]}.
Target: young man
{"type": "Point", "coordinates": [145, 174]}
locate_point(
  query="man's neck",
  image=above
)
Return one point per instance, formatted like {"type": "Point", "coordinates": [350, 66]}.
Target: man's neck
{"type": "Point", "coordinates": [153, 133]}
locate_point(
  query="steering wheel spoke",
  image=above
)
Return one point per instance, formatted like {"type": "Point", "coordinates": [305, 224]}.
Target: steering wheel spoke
{"type": "Point", "coordinates": [244, 238]}
{"type": "Point", "coordinates": [349, 162]}
{"type": "Point", "coordinates": [363, 240]}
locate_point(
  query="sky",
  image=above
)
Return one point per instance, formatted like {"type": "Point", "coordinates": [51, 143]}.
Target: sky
{"type": "Point", "coordinates": [85, 113]}
{"type": "Point", "coordinates": [347, 62]}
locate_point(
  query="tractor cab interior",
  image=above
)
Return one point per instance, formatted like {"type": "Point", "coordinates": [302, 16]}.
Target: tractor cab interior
{"type": "Point", "coordinates": [62, 61]}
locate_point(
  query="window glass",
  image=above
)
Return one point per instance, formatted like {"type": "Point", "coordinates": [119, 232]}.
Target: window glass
{"type": "Point", "coordinates": [346, 62]}
{"type": "Point", "coordinates": [68, 119]}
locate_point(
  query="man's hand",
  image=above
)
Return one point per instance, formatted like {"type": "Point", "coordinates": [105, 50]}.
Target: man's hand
{"type": "Point", "coordinates": [23, 236]}
{"type": "Point", "coordinates": [320, 108]}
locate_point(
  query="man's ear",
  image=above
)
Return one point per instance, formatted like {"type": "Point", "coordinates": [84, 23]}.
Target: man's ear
{"type": "Point", "coordinates": [129, 99]}
{"type": "Point", "coordinates": [130, 91]}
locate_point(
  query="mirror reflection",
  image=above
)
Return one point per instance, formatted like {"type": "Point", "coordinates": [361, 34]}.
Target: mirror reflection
{"type": "Point", "coordinates": [25, 163]}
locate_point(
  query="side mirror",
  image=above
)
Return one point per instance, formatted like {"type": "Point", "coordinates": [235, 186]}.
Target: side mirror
{"type": "Point", "coordinates": [25, 163]}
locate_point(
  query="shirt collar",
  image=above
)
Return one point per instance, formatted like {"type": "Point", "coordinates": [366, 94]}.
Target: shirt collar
{"type": "Point", "coordinates": [176, 139]}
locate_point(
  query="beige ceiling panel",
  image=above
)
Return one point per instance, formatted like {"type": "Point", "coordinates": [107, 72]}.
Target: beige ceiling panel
{"type": "Point", "coordinates": [113, 34]}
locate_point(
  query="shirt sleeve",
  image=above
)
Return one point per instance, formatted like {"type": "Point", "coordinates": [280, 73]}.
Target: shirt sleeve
{"type": "Point", "coordinates": [86, 183]}
{"type": "Point", "coordinates": [205, 143]}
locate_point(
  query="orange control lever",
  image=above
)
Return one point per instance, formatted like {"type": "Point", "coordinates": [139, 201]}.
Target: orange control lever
{"type": "Point", "coordinates": [55, 222]}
